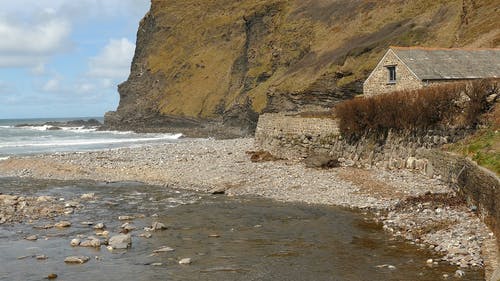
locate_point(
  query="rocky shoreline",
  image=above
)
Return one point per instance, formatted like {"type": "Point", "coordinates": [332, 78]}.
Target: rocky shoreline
{"type": "Point", "coordinates": [424, 211]}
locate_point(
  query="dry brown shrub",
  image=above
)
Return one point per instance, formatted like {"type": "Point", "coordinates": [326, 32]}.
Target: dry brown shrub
{"type": "Point", "coordinates": [413, 110]}
{"type": "Point", "coordinates": [477, 92]}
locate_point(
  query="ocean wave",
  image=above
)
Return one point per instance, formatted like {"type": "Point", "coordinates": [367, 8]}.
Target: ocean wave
{"type": "Point", "coordinates": [4, 158]}
{"type": "Point", "coordinates": [81, 129]}
{"type": "Point", "coordinates": [117, 132]}
{"type": "Point", "coordinates": [36, 128]}
{"type": "Point", "coordinates": [73, 142]}
{"type": "Point", "coordinates": [6, 127]}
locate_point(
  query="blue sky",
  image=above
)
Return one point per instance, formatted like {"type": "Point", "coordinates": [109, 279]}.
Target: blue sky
{"type": "Point", "coordinates": [65, 58]}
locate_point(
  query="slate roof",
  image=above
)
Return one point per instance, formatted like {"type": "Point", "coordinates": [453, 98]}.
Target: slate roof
{"type": "Point", "coordinates": [442, 64]}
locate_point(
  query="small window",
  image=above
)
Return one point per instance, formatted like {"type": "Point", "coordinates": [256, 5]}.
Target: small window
{"type": "Point", "coordinates": [392, 74]}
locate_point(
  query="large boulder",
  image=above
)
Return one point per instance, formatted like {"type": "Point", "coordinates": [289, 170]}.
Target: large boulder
{"type": "Point", "coordinates": [321, 161]}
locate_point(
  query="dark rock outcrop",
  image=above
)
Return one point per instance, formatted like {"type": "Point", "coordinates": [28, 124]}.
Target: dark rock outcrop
{"type": "Point", "coordinates": [58, 125]}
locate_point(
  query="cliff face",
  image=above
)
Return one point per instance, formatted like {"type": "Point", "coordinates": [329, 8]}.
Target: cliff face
{"type": "Point", "coordinates": [210, 67]}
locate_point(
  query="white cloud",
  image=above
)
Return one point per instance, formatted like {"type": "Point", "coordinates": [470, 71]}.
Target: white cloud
{"type": "Point", "coordinates": [53, 85]}
{"type": "Point", "coordinates": [107, 83]}
{"type": "Point", "coordinates": [77, 9]}
{"type": "Point", "coordinates": [38, 69]}
{"type": "Point", "coordinates": [85, 88]}
{"type": "Point", "coordinates": [113, 62]}
{"type": "Point", "coordinates": [30, 44]}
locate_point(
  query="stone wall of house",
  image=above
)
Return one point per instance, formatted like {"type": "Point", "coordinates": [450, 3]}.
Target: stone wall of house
{"type": "Point", "coordinates": [293, 137]}
{"type": "Point", "coordinates": [378, 81]}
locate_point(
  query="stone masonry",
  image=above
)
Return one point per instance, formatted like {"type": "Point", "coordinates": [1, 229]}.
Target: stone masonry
{"type": "Point", "coordinates": [378, 81]}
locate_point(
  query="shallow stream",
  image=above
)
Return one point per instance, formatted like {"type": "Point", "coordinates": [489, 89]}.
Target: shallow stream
{"type": "Point", "coordinates": [226, 238]}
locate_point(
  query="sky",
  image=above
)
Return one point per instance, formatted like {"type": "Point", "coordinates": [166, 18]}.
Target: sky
{"type": "Point", "coordinates": [65, 58]}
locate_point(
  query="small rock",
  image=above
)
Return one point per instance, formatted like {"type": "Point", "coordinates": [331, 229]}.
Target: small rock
{"type": "Point", "coordinates": [104, 233]}
{"type": "Point", "coordinates": [75, 242]}
{"type": "Point", "coordinates": [71, 204]}
{"type": "Point", "coordinates": [164, 250]}
{"type": "Point", "coordinates": [389, 266]}
{"type": "Point", "coordinates": [185, 261]}
{"type": "Point", "coordinates": [63, 224]}
{"type": "Point", "coordinates": [44, 198]}
{"type": "Point", "coordinates": [88, 196]}
{"type": "Point", "coordinates": [158, 226]}
{"type": "Point", "coordinates": [411, 163]}
{"type": "Point", "coordinates": [218, 190]}
{"type": "Point", "coordinates": [125, 218]}
{"type": "Point", "coordinates": [91, 242]}
{"type": "Point", "coordinates": [157, 264]}
{"type": "Point", "coordinates": [52, 276]}
{"type": "Point", "coordinates": [41, 257]}
{"type": "Point", "coordinates": [31, 237]}
{"type": "Point", "coordinates": [145, 235]}
{"type": "Point", "coordinates": [99, 226]}
{"type": "Point", "coordinates": [127, 226]}
{"type": "Point", "coordinates": [86, 223]}
{"type": "Point", "coordinates": [459, 273]}
{"type": "Point", "coordinates": [76, 259]}
{"type": "Point", "coordinates": [430, 261]}
{"type": "Point", "coordinates": [214, 235]}
{"type": "Point", "coordinates": [121, 241]}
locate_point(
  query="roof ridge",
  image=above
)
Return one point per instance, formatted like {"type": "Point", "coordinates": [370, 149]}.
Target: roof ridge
{"type": "Point", "coordinates": [442, 49]}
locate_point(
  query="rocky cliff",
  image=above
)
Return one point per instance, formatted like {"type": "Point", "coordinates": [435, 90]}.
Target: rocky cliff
{"type": "Point", "coordinates": [210, 67]}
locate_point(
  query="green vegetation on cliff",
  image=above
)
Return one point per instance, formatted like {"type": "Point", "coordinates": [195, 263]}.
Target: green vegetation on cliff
{"type": "Point", "coordinates": [483, 146]}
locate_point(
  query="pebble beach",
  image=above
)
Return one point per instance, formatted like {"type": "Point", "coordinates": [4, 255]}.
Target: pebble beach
{"type": "Point", "coordinates": [410, 206]}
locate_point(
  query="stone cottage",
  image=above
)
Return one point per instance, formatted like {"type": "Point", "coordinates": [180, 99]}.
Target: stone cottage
{"type": "Point", "coordinates": [409, 68]}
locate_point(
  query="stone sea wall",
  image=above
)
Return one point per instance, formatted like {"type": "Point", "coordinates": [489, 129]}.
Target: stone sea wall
{"type": "Point", "coordinates": [294, 137]}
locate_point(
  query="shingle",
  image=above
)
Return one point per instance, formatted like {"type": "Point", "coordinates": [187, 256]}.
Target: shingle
{"type": "Point", "coordinates": [442, 64]}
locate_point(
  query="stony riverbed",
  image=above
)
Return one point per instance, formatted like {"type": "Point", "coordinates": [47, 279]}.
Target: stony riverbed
{"type": "Point", "coordinates": [131, 231]}
{"type": "Point", "coordinates": [407, 204]}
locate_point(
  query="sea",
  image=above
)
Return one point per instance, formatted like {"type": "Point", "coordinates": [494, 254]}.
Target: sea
{"type": "Point", "coordinates": [39, 138]}
{"type": "Point", "coordinates": [226, 238]}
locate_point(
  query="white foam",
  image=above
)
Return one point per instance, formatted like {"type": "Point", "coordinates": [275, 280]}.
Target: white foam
{"type": "Point", "coordinates": [5, 127]}
{"type": "Point", "coordinates": [36, 128]}
{"type": "Point", "coordinates": [117, 132]}
{"type": "Point", "coordinates": [81, 129]}
{"type": "Point", "coordinates": [4, 158]}
{"type": "Point", "coordinates": [74, 142]}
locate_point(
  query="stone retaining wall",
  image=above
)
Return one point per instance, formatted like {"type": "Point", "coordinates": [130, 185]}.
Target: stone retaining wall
{"type": "Point", "coordinates": [289, 136]}
{"type": "Point", "coordinates": [293, 137]}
